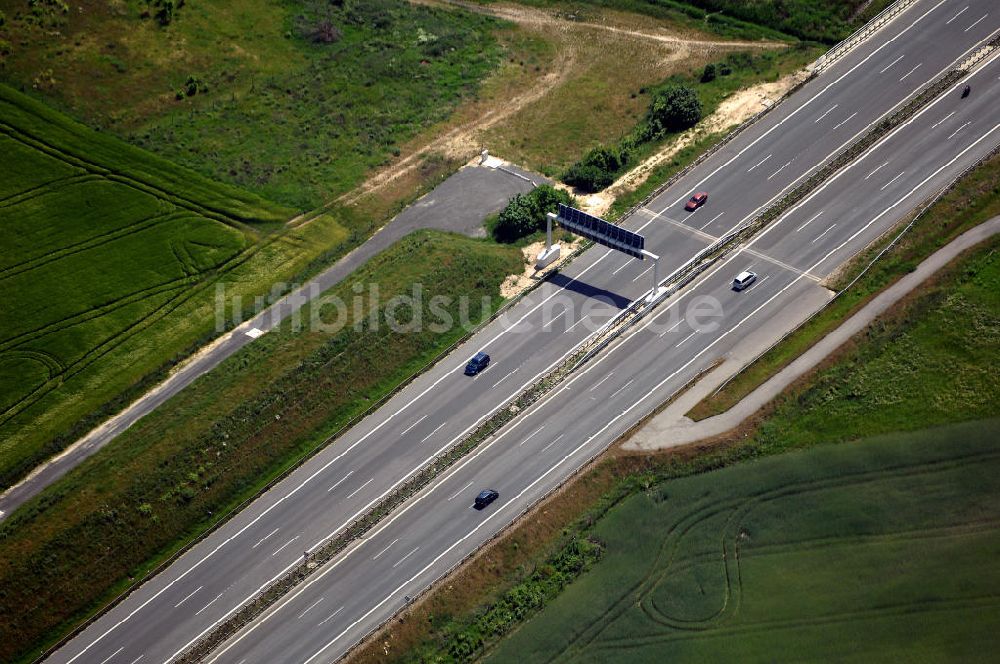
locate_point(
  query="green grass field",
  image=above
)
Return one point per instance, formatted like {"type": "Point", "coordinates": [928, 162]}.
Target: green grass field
{"type": "Point", "coordinates": [880, 550]}
{"type": "Point", "coordinates": [891, 538]}
{"type": "Point", "coordinates": [109, 269]}
{"type": "Point", "coordinates": [276, 109]}
{"type": "Point", "coordinates": [180, 468]}
{"type": "Point", "coordinates": [815, 20]}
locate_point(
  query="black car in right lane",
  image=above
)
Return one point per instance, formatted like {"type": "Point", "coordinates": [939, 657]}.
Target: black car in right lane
{"type": "Point", "coordinates": [486, 497]}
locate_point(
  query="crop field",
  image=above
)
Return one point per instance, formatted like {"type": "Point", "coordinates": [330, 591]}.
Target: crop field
{"type": "Point", "coordinates": [878, 550]}
{"type": "Point", "coordinates": [108, 269]}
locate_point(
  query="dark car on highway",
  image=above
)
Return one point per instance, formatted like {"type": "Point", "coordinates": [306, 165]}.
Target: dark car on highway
{"type": "Point", "coordinates": [478, 362]}
{"type": "Point", "coordinates": [696, 201]}
{"type": "Point", "coordinates": [486, 497]}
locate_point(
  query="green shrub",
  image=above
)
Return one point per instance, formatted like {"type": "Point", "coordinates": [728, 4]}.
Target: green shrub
{"type": "Point", "coordinates": [674, 108]}
{"type": "Point", "coordinates": [464, 641]}
{"type": "Point", "coordinates": [597, 170]}
{"type": "Point", "coordinates": [163, 11]}
{"type": "Point", "coordinates": [525, 213]}
{"type": "Point", "coordinates": [708, 74]}
{"type": "Point", "coordinates": [375, 14]}
{"type": "Point", "coordinates": [316, 22]}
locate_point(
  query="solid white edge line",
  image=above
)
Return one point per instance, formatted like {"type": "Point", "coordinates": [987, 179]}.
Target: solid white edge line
{"type": "Point", "coordinates": [652, 391]}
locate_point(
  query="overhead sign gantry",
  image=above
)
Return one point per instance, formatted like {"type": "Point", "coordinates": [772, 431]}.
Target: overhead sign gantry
{"type": "Point", "coordinates": [600, 231]}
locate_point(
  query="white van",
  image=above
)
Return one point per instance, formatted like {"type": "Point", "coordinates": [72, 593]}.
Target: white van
{"type": "Point", "coordinates": [743, 279]}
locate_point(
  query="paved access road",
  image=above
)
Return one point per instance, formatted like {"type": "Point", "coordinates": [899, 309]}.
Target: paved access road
{"type": "Point", "coordinates": [215, 577]}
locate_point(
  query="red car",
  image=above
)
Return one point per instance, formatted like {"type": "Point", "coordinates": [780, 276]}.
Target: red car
{"type": "Point", "coordinates": [696, 201]}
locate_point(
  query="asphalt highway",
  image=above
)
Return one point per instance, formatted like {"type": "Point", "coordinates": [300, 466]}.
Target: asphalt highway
{"type": "Point", "coordinates": [215, 577]}
{"type": "Point", "coordinates": [337, 607]}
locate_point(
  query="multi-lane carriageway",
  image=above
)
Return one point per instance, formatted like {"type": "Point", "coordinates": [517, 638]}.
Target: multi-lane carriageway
{"type": "Point", "coordinates": [342, 602]}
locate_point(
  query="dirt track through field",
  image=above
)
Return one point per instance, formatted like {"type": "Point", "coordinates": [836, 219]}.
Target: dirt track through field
{"type": "Point", "coordinates": [462, 141]}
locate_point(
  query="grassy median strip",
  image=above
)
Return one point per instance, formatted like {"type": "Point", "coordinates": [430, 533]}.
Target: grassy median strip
{"type": "Point", "coordinates": [928, 362]}
{"type": "Point", "coordinates": [169, 477]}
{"type": "Point", "coordinates": [974, 199]}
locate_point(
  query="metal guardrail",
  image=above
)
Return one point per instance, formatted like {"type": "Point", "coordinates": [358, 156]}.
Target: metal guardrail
{"type": "Point", "coordinates": [726, 140]}
{"type": "Point", "coordinates": [721, 247]}
{"type": "Point", "coordinates": [875, 24]}
{"type": "Point", "coordinates": [503, 309]}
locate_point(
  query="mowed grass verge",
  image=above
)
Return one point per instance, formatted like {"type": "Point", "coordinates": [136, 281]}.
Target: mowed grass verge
{"type": "Point", "coordinates": [928, 362]}
{"type": "Point", "coordinates": [109, 269]}
{"type": "Point", "coordinates": [796, 557]}
{"type": "Point", "coordinates": [173, 474]}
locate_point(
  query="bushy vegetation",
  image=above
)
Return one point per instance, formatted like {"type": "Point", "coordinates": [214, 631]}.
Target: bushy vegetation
{"type": "Point", "coordinates": [108, 271]}
{"type": "Point", "coordinates": [674, 108]}
{"type": "Point", "coordinates": [814, 20]}
{"type": "Point", "coordinates": [525, 214]}
{"type": "Point", "coordinates": [926, 364]}
{"type": "Point", "coordinates": [216, 442]}
{"type": "Point", "coordinates": [466, 641]}
{"type": "Point", "coordinates": [597, 169]}
{"type": "Point", "coordinates": [294, 100]}
{"type": "Point", "coordinates": [676, 105]}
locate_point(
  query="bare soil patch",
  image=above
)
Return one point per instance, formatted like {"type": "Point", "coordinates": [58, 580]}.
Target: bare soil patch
{"type": "Point", "coordinates": [517, 283]}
